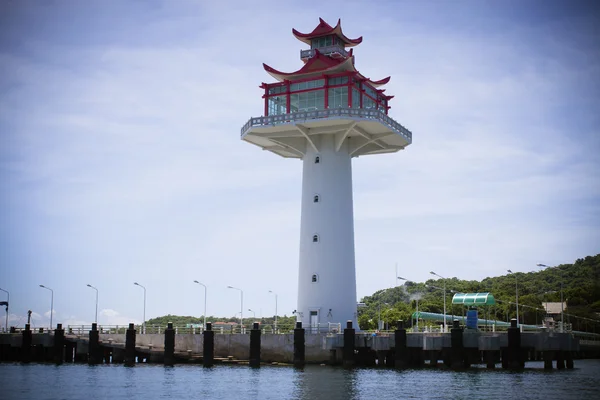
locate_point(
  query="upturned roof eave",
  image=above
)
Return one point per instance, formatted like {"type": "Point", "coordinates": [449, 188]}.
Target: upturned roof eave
{"type": "Point", "coordinates": [305, 71]}
{"type": "Point", "coordinates": [324, 29]}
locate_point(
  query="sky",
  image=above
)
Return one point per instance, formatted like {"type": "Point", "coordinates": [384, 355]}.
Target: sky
{"type": "Point", "coordinates": [121, 159]}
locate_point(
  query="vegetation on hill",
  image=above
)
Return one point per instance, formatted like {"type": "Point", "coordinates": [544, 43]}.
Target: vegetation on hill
{"type": "Point", "coordinates": [178, 320]}
{"type": "Point", "coordinates": [580, 286]}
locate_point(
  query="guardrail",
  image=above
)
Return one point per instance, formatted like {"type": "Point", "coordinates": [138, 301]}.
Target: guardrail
{"type": "Point", "coordinates": [328, 113]}
{"type": "Point", "coordinates": [326, 50]}
{"type": "Point", "coordinates": [217, 328]}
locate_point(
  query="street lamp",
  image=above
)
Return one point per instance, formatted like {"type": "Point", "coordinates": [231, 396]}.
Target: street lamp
{"type": "Point", "coordinates": [253, 314]}
{"type": "Point", "coordinates": [144, 324]}
{"type": "Point", "coordinates": [439, 276]}
{"type": "Point", "coordinates": [7, 302]}
{"type": "Point", "coordinates": [95, 319]}
{"type": "Point", "coordinates": [201, 284]}
{"type": "Point", "coordinates": [270, 291]}
{"type": "Point", "coordinates": [51, 303]}
{"type": "Point", "coordinates": [562, 322]}
{"type": "Point", "coordinates": [241, 306]}
{"type": "Point", "coordinates": [517, 294]}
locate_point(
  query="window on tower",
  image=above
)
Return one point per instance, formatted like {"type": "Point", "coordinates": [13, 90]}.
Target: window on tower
{"type": "Point", "coordinates": [355, 98]}
{"type": "Point", "coordinates": [316, 198]}
{"type": "Point", "coordinates": [338, 97]}
{"type": "Point", "coordinates": [319, 42]}
{"type": "Point", "coordinates": [315, 278]}
{"type": "Point", "coordinates": [307, 101]}
{"type": "Point", "coordinates": [315, 238]}
{"type": "Point", "coordinates": [277, 105]}
{"type": "Point", "coordinates": [317, 159]}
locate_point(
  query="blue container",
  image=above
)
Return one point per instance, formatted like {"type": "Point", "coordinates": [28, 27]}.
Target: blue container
{"type": "Point", "coordinates": [472, 319]}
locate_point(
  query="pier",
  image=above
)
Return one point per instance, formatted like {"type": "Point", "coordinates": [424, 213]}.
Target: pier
{"type": "Point", "coordinates": [458, 349]}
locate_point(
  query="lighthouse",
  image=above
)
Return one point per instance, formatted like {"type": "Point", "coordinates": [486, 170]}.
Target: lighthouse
{"type": "Point", "coordinates": [325, 114]}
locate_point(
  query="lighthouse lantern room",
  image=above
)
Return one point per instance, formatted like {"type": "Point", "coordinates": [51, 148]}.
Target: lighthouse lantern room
{"type": "Point", "coordinates": [326, 113]}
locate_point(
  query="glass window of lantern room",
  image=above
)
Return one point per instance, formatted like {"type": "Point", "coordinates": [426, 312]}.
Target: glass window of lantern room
{"type": "Point", "coordinates": [277, 105]}
{"type": "Point", "coordinates": [383, 106]}
{"type": "Point", "coordinates": [319, 42]}
{"type": "Point", "coordinates": [368, 102]}
{"type": "Point", "coordinates": [355, 98]}
{"type": "Point", "coordinates": [307, 101]}
{"type": "Point", "coordinates": [339, 80]}
{"type": "Point", "coordinates": [338, 97]}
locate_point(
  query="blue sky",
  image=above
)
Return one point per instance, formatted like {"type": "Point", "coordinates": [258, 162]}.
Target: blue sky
{"type": "Point", "coordinates": [120, 156]}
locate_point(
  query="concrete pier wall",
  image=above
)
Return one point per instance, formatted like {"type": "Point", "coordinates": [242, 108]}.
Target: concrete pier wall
{"type": "Point", "coordinates": [274, 347]}
{"type": "Point", "coordinates": [474, 348]}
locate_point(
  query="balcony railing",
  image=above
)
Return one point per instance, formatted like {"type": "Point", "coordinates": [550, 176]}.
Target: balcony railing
{"type": "Point", "coordinates": [327, 50]}
{"type": "Point", "coordinates": [329, 113]}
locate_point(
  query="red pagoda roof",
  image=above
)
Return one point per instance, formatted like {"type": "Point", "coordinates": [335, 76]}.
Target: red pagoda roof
{"type": "Point", "coordinates": [322, 65]}
{"type": "Point", "coordinates": [324, 29]}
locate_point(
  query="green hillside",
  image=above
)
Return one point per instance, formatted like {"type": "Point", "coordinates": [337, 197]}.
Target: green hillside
{"type": "Point", "coordinates": [580, 286]}
{"type": "Point", "coordinates": [178, 320]}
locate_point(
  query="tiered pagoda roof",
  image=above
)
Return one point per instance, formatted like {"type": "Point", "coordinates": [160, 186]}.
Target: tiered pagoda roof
{"type": "Point", "coordinates": [324, 29]}
{"type": "Point", "coordinates": [321, 64]}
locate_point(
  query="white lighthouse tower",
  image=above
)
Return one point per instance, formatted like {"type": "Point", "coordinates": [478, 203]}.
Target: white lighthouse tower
{"type": "Point", "coordinates": [324, 114]}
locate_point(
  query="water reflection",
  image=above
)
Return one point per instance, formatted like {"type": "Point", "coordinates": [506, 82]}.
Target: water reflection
{"type": "Point", "coordinates": [72, 382]}
{"type": "Point", "coordinates": [314, 382]}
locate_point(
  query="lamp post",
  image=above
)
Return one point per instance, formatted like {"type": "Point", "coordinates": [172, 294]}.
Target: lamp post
{"type": "Point", "coordinates": [241, 306]}
{"type": "Point", "coordinates": [205, 290]}
{"type": "Point", "coordinates": [144, 324]}
{"type": "Point", "coordinates": [253, 314]}
{"type": "Point", "coordinates": [270, 291]}
{"type": "Point", "coordinates": [96, 318]}
{"type": "Point", "coordinates": [517, 293]}
{"type": "Point", "coordinates": [562, 322]}
{"type": "Point", "coordinates": [439, 276]}
{"type": "Point", "coordinates": [51, 303]}
{"type": "Point", "coordinates": [7, 302]}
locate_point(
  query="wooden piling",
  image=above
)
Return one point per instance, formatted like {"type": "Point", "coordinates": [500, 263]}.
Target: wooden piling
{"type": "Point", "coordinates": [94, 349]}
{"type": "Point", "coordinates": [457, 350]}
{"type": "Point", "coordinates": [299, 345]}
{"type": "Point", "coordinates": [489, 357]}
{"type": "Point", "coordinates": [208, 351]}
{"type": "Point", "coordinates": [169, 353]}
{"type": "Point", "coordinates": [560, 359]}
{"type": "Point", "coordinates": [569, 359]}
{"type": "Point", "coordinates": [129, 358]}
{"type": "Point", "coordinates": [26, 344]}
{"type": "Point", "coordinates": [69, 351]}
{"type": "Point", "coordinates": [401, 354]}
{"type": "Point", "coordinates": [59, 344]}
{"type": "Point", "coordinates": [548, 357]}
{"type": "Point", "coordinates": [515, 359]}
{"type": "Point", "coordinates": [348, 350]}
{"type": "Point", "coordinates": [255, 345]}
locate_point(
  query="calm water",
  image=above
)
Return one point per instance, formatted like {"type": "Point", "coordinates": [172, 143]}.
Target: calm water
{"type": "Point", "coordinates": [76, 381]}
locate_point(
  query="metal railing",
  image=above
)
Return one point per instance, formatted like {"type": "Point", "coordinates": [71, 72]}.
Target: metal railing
{"type": "Point", "coordinates": [218, 329]}
{"type": "Point", "coordinates": [326, 50]}
{"type": "Point", "coordinates": [329, 113]}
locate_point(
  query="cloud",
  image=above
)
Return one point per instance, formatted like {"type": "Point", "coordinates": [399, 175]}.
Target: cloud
{"type": "Point", "coordinates": [121, 154]}
{"type": "Point", "coordinates": [113, 317]}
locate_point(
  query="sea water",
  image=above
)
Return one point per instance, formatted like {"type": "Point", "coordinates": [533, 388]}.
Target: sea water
{"type": "Point", "coordinates": [151, 381]}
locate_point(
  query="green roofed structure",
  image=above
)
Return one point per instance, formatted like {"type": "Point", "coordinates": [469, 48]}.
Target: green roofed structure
{"type": "Point", "coordinates": [474, 299]}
